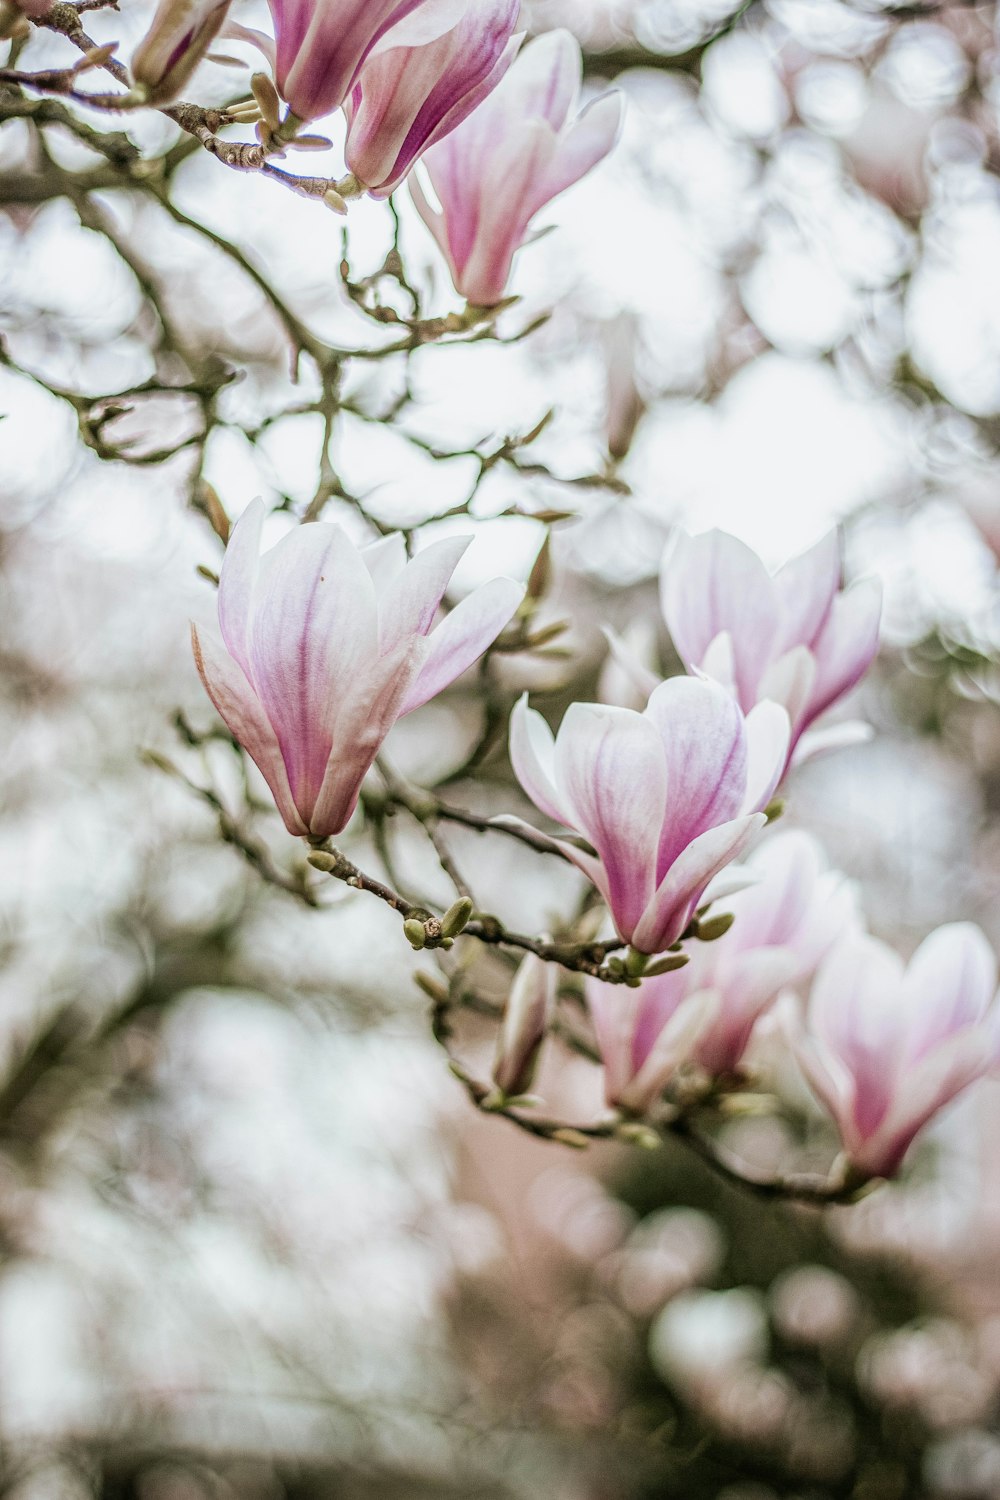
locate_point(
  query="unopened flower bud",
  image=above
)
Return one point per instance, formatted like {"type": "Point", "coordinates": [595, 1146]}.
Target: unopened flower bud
{"type": "Point", "coordinates": [666, 964]}
{"type": "Point", "coordinates": [321, 859]}
{"type": "Point", "coordinates": [267, 99]}
{"type": "Point", "coordinates": [181, 34]}
{"type": "Point", "coordinates": [455, 918]}
{"type": "Point", "coordinates": [525, 1022]}
{"type": "Point", "coordinates": [414, 932]}
{"type": "Point", "coordinates": [434, 988]}
{"type": "Point", "coordinates": [710, 928]}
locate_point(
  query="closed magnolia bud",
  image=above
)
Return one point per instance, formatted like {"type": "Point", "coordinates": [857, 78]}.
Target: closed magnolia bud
{"type": "Point", "coordinates": [181, 34]}
{"type": "Point", "coordinates": [525, 1022]}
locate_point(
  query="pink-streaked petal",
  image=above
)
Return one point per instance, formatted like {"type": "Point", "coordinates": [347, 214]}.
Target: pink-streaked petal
{"type": "Point", "coordinates": [312, 647]}
{"type": "Point", "coordinates": [805, 588]}
{"type": "Point", "coordinates": [532, 755]}
{"type": "Point", "coordinates": [719, 662]}
{"type": "Point", "coordinates": [747, 986]}
{"type": "Point", "coordinates": [846, 646]}
{"type": "Point", "coordinates": [673, 1046]}
{"type": "Point", "coordinates": [462, 637]}
{"type": "Point", "coordinates": [949, 985]}
{"type": "Point", "coordinates": [237, 581]}
{"type": "Point", "coordinates": [857, 1013]}
{"type": "Point", "coordinates": [544, 83]}
{"type": "Point", "coordinates": [237, 704]}
{"type": "Point", "coordinates": [789, 681]}
{"type": "Point", "coordinates": [385, 560]}
{"type": "Point", "coordinates": [359, 722]}
{"type": "Point", "coordinates": [767, 738]}
{"type": "Point", "coordinates": [588, 140]}
{"type": "Point", "coordinates": [609, 767]}
{"type": "Point", "coordinates": [713, 583]}
{"type": "Point", "coordinates": [408, 604]}
{"type": "Point", "coordinates": [639, 676]}
{"type": "Point", "coordinates": [929, 1087]}
{"type": "Point", "coordinates": [684, 884]}
{"type": "Point", "coordinates": [614, 1010]}
{"type": "Point", "coordinates": [422, 24]}
{"type": "Point", "coordinates": [704, 744]}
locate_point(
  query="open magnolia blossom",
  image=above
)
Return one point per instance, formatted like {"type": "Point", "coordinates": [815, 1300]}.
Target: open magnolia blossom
{"type": "Point", "coordinates": [705, 1013]}
{"type": "Point", "coordinates": [322, 45]}
{"type": "Point", "coordinates": [517, 151]}
{"type": "Point", "coordinates": [667, 797]}
{"type": "Point", "coordinates": [885, 1047]}
{"type": "Point", "coordinates": [795, 637]}
{"type": "Point", "coordinates": [407, 98]}
{"type": "Point", "coordinates": [181, 33]}
{"type": "Point", "coordinates": [326, 646]}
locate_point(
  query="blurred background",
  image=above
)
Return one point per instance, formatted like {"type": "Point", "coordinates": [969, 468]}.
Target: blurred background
{"type": "Point", "coordinates": [255, 1244]}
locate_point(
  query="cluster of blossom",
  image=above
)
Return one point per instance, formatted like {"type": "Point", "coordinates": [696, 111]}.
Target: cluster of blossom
{"type": "Point", "coordinates": [324, 646]}
{"type": "Point", "coordinates": [445, 81]}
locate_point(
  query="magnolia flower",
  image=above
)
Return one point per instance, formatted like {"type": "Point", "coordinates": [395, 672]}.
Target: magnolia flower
{"type": "Point", "coordinates": [525, 1022]}
{"type": "Point", "coordinates": [666, 797]}
{"type": "Point", "coordinates": [326, 647]}
{"type": "Point", "coordinates": [796, 637]}
{"type": "Point", "coordinates": [407, 98]}
{"type": "Point", "coordinates": [322, 45]}
{"type": "Point", "coordinates": [705, 1013]}
{"type": "Point", "coordinates": [517, 151]}
{"type": "Point", "coordinates": [887, 1047]}
{"type": "Point", "coordinates": [181, 34]}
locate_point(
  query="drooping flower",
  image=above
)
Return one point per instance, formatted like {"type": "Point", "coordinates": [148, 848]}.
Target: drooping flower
{"type": "Point", "coordinates": [322, 45]}
{"type": "Point", "coordinates": [796, 637]}
{"type": "Point", "coordinates": [525, 1022]}
{"type": "Point", "coordinates": [666, 797]}
{"type": "Point", "coordinates": [517, 151]}
{"type": "Point", "coordinates": [705, 1013]}
{"type": "Point", "coordinates": [326, 646]}
{"type": "Point", "coordinates": [886, 1047]}
{"type": "Point", "coordinates": [181, 33]}
{"type": "Point", "coordinates": [406, 98]}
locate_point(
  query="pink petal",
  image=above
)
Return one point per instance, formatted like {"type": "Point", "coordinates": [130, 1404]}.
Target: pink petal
{"type": "Point", "coordinates": [462, 637]}
{"type": "Point", "coordinates": [713, 583]}
{"type": "Point", "coordinates": [312, 648]}
{"type": "Point", "coordinates": [701, 728]}
{"type": "Point", "coordinates": [789, 681]}
{"type": "Point", "coordinates": [805, 588]}
{"type": "Point", "coordinates": [385, 560]}
{"type": "Point", "coordinates": [360, 718]}
{"type": "Point", "coordinates": [767, 735]}
{"type": "Point", "coordinates": [408, 603]}
{"type": "Point", "coordinates": [587, 141]}
{"type": "Point", "coordinates": [237, 704]}
{"type": "Point", "coordinates": [532, 756]}
{"type": "Point", "coordinates": [610, 769]}
{"type": "Point", "coordinates": [747, 986]}
{"type": "Point", "coordinates": [237, 581]}
{"type": "Point", "coordinates": [837, 737]}
{"type": "Point", "coordinates": [846, 646]}
{"type": "Point", "coordinates": [950, 983]}
{"type": "Point", "coordinates": [682, 887]}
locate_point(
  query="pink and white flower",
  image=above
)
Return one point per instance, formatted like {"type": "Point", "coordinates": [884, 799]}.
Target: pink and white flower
{"type": "Point", "coordinates": [406, 98]}
{"type": "Point", "coordinates": [181, 33]}
{"type": "Point", "coordinates": [516, 152]}
{"type": "Point", "coordinates": [886, 1047]}
{"type": "Point", "coordinates": [525, 1022]}
{"type": "Point", "coordinates": [796, 637]}
{"type": "Point", "coordinates": [322, 45]}
{"type": "Point", "coordinates": [705, 1013]}
{"type": "Point", "coordinates": [667, 797]}
{"type": "Point", "coordinates": [324, 646]}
